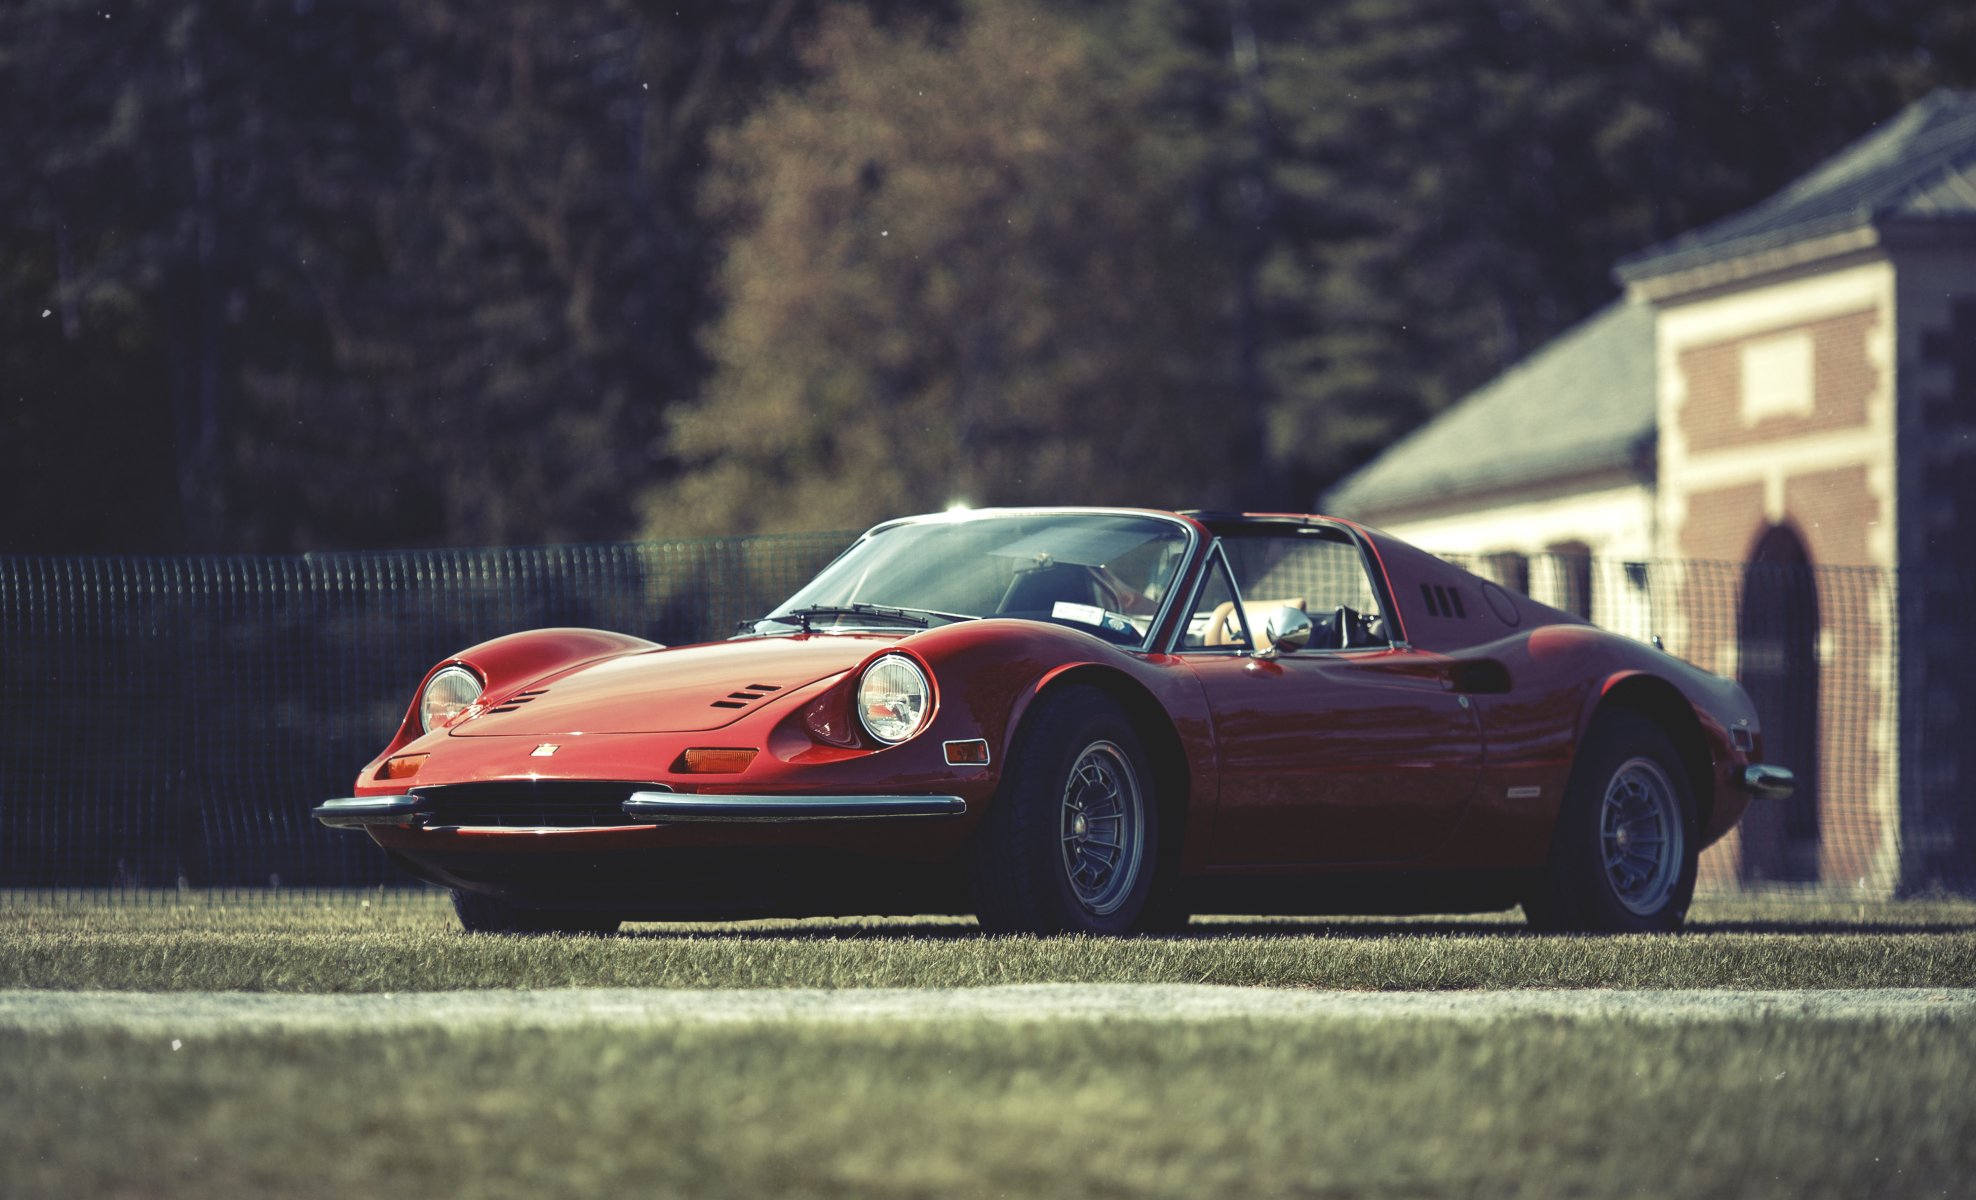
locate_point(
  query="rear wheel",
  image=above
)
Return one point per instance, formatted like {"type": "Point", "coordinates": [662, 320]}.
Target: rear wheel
{"type": "Point", "coordinates": [1623, 859]}
{"type": "Point", "coordinates": [481, 913]}
{"type": "Point", "coordinates": [1070, 843]}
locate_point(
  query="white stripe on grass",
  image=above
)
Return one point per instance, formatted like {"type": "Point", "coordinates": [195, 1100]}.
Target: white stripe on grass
{"type": "Point", "coordinates": [180, 1013]}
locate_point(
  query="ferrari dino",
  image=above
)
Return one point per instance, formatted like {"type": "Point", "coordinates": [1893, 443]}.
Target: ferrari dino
{"type": "Point", "coordinates": [1077, 720]}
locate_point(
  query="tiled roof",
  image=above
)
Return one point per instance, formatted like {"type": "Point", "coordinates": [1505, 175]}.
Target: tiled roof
{"type": "Point", "coordinates": [1581, 404]}
{"type": "Point", "coordinates": [1921, 165]}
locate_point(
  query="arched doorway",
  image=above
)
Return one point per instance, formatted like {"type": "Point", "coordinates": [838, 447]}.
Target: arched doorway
{"type": "Point", "coordinates": [1778, 666]}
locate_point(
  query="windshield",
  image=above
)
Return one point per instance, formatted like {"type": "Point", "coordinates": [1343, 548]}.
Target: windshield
{"type": "Point", "coordinates": [1104, 574]}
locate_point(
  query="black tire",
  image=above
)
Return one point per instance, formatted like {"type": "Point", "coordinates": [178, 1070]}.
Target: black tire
{"type": "Point", "coordinates": [1623, 857]}
{"type": "Point", "coordinates": [481, 913]}
{"type": "Point", "coordinates": [1077, 781]}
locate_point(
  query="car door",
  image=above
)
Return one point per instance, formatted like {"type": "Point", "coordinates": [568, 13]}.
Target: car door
{"type": "Point", "coordinates": [1347, 753]}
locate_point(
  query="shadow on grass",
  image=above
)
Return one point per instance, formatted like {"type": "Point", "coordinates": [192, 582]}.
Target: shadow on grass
{"type": "Point", "coordinates": [1357, 929]}
{"type": "Point", "coordinates": [1514, 927]}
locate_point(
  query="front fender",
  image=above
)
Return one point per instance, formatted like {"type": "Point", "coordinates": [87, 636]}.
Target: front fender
{"type": "Point", "coordinates": [993, 672]}
{"type": "Point", "coordinates": [508, 663]}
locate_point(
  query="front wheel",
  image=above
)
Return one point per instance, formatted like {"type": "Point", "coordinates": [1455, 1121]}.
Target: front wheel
{"type": "Point", "coordinates": [1623, 858]}
{"type": "Point", "coordinates": [481, 913]}
{"type": "Point", "coordinates": [1070, 843]}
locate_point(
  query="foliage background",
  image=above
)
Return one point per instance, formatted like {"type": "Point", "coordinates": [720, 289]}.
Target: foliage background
{"type": "Point", "coordinates": [286, 275]}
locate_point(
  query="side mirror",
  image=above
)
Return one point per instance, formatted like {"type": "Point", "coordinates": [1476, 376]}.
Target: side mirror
{"type": "Point", "coordinates": [1287, 630]}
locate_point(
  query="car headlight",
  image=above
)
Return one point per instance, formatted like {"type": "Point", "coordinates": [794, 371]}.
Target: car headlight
{"type": "Point", "coordinates": [446, 696]}
{"type": "Point", "coordinates": [894, 700]}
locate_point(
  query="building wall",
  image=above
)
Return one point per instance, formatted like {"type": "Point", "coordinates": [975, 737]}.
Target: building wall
{"type": "Point", "coordinates": [1838, 403]}
{"type": "Point", "coordinates": [1613, 521]}
{"type": "Point", "coordinates": [1777, 408]}
{"type": "Point", "coordinates": [1609, 522]}
{"type": "Point", "coordinates": [1936, 350]}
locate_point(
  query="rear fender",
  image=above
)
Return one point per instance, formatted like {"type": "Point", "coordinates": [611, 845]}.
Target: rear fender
{"type": "Point", "coordinates": [1699, 739]}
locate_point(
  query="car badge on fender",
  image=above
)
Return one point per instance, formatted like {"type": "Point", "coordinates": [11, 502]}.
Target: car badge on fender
{"type": "Point", "coordinates": [544, 750]}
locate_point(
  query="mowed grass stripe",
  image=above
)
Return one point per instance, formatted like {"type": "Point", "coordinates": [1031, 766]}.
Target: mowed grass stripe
{"type": "Point", "coordinates": [1525, 1107]}
{"type": "Point", "coordinates": [349, 945]}
{"type": "Point", "coordinates": [210, 1015]}
{"type": "Point", "coordinates": [426, 960]}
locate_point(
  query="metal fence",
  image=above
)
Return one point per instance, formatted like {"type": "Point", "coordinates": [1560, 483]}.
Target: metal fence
{"type": "Point", "coordinates": [168, 722]}
{"type": "Point", "coordinates": [1864, 679]}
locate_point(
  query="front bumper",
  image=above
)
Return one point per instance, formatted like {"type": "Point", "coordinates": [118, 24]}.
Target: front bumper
{"type": "Point", "coordinates": [663, 807]}
{"type": "Point", "coordinates": [420, 809]}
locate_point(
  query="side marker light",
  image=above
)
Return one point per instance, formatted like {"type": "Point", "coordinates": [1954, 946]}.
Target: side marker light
{"type": "Point", "coordinates": [970, 753]}
{"type": "Point", "coordinates": [403, 767]}
{"type": "Point", "coordinates": [715, 762]}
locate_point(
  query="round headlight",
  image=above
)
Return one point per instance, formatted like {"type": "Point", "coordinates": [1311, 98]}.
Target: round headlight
{"type": "Point", "coordinates": [449, 693]}
{"type": "Point", "coordinates": [894, 701]}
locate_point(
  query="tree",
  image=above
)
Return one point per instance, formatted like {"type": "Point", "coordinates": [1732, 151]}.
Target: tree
{"type": "Point", "coordinates": [356, 274]}
{"type": "Point", "coordinates": [285, 275]}
{"type": "Point", "coordinates": [962, 268]}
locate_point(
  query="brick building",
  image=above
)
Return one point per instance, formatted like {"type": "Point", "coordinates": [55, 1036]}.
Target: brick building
{"type": "Point", "coordinates": [1791, 390]}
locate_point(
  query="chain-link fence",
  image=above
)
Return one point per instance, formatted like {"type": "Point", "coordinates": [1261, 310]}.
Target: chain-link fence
{"type": "Point", "coordinates": [1861, 677]}
{"type": "Point", "coordinates": [168, 722]}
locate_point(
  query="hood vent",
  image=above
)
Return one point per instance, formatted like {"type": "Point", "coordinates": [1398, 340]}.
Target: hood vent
{"type": "Point", "coordinates": [518, 699]}
{"type": "Point", "coordinates": [747, 696]}
{"type": "Point", "coordinates": [664, 691]}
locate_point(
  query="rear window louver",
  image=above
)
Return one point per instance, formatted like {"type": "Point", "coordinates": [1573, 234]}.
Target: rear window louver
{"type": "Point", "coordinates": [1443, 601]}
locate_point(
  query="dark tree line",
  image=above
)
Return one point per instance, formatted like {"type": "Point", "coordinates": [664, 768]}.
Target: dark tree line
{"type": "Point", "coordinates": [355, 273]}
{"type": "Point", "coordinates": [288, 274]}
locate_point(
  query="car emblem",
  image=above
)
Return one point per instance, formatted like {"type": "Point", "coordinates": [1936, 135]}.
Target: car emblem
{"type": "Point", "coordinates": [544, 750]}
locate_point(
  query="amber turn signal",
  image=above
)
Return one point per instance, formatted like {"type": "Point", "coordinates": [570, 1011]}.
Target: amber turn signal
{"type": "Point", "coordinates": [715, 762]}
{"type": "Point", "coordinates": [403, 767]}
{"type": "Point", "coordinates": [970, 753]}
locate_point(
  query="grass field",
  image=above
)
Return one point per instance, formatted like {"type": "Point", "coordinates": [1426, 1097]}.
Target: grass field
{"type": "Point", "coordinates": [1239, 1108]}
{"type": "Point", "coordinates": [341, 946]}
{"type": "Point", "coordinates": [1522, 1106]}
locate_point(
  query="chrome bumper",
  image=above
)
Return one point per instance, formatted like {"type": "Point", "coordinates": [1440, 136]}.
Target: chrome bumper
{"type": "Point", "coordinates": [673, 806]}
{"type": "Point", "coordinates": [1767, 782]}
{"type": "Point", "coordinates": [355, 812]}
{"type": "Point", "coordinates": [656, 808]}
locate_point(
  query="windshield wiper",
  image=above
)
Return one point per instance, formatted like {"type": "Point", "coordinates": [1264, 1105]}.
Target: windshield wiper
{"type": "Point", "coordinates": [920, 617]}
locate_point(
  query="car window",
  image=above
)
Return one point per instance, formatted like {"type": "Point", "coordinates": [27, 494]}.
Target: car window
{"type": "Point", "coordinates": [1216, 623]}
{"type": "Point", "coordinates": [1316, 569]}
{"type": "Point", "coordinates": [1102, 573]}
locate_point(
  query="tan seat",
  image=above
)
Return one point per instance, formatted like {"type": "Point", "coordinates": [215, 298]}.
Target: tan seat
{"type": "Point", "coordinates": [1224, 630]}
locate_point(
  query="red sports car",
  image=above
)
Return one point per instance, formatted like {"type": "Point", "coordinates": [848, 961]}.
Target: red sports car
{"type": "Point", "coordinates": [1077, 720]}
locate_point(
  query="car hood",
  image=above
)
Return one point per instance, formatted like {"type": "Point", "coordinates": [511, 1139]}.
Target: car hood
{"type": "Point", "coordinates": [680, 691]}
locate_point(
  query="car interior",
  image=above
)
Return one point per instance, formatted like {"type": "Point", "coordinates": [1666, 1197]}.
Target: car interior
{"type": "Point", "coordinates": [1317, 569]}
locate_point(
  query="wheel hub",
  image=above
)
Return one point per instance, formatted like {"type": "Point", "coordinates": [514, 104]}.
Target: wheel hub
{"type": "Point", "coordinates": [1640, 828]}
{"type": "Point", "coordinates": [1103, 827]}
